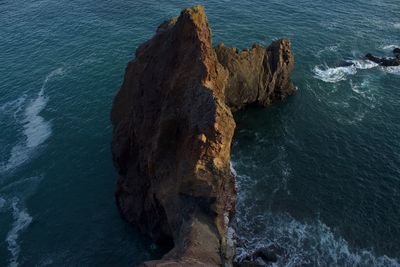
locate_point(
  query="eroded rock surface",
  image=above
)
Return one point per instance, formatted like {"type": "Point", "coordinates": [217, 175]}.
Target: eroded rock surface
{"type": "Point", "coordinates": [258, 75]}
{"type": "Point", "coordinates": [172, 132]}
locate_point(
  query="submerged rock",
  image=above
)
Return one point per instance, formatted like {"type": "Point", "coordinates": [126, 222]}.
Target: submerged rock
{"type": "Point", "coordinates": [172, 133]}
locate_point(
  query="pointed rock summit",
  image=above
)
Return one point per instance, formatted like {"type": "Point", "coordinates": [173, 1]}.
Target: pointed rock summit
{"type": "Point", "coordinates": [172, 133]}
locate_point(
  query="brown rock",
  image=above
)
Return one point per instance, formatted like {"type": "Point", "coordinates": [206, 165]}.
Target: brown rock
{"type": "Point", "coordinates": [172, 133]}
{"type": "Point", "coordinates": [259, 75]}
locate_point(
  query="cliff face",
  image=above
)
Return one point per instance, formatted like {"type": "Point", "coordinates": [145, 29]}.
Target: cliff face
{"type": "Point", "coordinates": [172, 136]}
{"type": "Point", "coordinates": [259, 75]}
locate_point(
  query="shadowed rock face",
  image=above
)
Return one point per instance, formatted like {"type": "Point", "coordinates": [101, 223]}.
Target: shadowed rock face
{"type": "Point", "coordinates": [259, 75]}
{"type": "Point", "coordinates": [172, 132]}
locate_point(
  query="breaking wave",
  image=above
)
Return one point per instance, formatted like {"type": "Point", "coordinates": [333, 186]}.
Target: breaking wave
{"type": "Point", "coordinates": [303, 243]}
{"type": "Point", "coordinates": [333, 75]}
{"type": "Point", "coordinates": [337, 74]}
{"type": "Point", "coordinates": [362, 64]}
{"type": "Point", "coordinates": [294, 242]}
{"type": "Point", "coordinates": [389, 47]}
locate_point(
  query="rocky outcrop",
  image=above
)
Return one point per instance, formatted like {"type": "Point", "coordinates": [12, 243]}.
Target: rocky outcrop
{"type": "Point", "coordinates": [172, 132]}
{"type": "Point", "coordinates": [386, 61]}
{"type": "Point", "coordinates": [258, 75]}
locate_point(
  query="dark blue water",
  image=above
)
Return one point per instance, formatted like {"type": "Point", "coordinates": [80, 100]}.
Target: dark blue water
{"type": "Point", "coordinates": [318, 174]}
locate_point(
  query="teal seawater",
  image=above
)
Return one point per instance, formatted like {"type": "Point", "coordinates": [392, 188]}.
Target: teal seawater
{"type": "Point", "coordinates": [318, 174]}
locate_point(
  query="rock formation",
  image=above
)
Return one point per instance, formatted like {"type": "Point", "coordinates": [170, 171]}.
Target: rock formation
{"type": "Point", "coordinates": [259, 75]}
{"type": "Point", "coordinates": [386, 61]}
{"type": "Point", "coordinates": [172, 131]}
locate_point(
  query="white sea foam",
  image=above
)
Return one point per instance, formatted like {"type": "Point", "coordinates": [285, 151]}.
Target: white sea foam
{"type": "Point", "coordinates": [12, 106]}
{"type": "Point", "coordinates": [233, 171]}
{"type": "Point", "coordinates": [13, 197]}
{"type": "Point", "coordinates": [392, 70]}
{"type": "Point", "coordinates": [302, 243]}
{"type": "Point", "coordinates": [311, 244]}
{"type": "Point", "coordinates": [333, 75]}
{"type": "Point", "coordinates": [297, 243]}
{"type": "Point", "coordinates": [336, 74]}
{"type": "Point", "coordinates": [389, 47]}
{"type": "Point", "coordinates": [363, 64]}
{"type": "Point", "coordinates": [21, 221]}
{"type": "Point", "coordinates": [36, 129]}
{"type": "Point", "coordinates": [396, 25]}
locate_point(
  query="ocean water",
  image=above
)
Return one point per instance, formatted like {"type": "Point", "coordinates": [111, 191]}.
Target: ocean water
{"type": "Point", "coordinates": [318, 175]}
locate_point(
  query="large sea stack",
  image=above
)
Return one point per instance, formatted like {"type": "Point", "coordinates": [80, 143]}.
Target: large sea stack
{"type": "Point", "coordinates": [172, 132]}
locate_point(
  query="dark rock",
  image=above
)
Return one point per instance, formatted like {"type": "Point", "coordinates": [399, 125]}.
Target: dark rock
{"type": "Point", "coordinates": [266, 255]}
{"type": "Point", "coordinates": [261, 257]}
{"type": "Point", "coordinates": [172, 133]}
{"type": "Point", "coordinates": [396, 53]}
{"type": "Point", "coordinates": [385, 62]}
{"type": "Point", "coordinates": [258, 75]}
{"type": "Point", "coordinates": [346, 64]}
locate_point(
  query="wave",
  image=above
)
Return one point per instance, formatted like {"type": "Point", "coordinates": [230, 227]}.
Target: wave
{"type": "Point", "coordinates": [396, 25]}
{"type": "Point", "coordinates": [301, 243]}
{"type": "Point", "coordinates": [333, 75]}
{"type": "Point", "coordinates": [22, 220]}
{"type": "Point", "coordinates": [296, 243]}
{"type": "Point", "coordinates": [362, 64]}
{"type": "Point", "coordinates": [392, 70]}
{"type": "Point", "coordinates": [36, 129]}
{"type": "Point", "coordinates": [337, 74]}
{"type": "Point", "coordinates": [389, 47]}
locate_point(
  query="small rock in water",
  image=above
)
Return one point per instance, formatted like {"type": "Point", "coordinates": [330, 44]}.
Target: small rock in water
{"type": "Point", "coordinates": [383, 61]}
{"type": "Point", "coordinates": [262, 257]}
